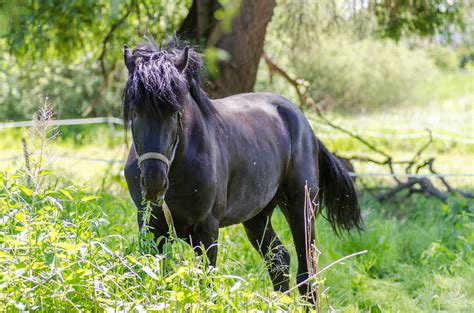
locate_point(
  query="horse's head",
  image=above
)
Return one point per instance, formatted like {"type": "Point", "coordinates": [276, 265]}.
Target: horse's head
{"type": "Point", "coordinates": [154, 98]}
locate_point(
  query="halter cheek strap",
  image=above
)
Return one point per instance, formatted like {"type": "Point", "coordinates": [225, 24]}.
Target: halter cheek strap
{"type": "Point", "coordinates": [155, 156]}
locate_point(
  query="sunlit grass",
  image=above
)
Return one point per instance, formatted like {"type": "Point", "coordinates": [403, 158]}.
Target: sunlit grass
{"type": "Point", "coordinates": [69, 246]}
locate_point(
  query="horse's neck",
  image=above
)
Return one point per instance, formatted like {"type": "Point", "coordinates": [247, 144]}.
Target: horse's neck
{"type": "Point", "coordinates": [198, 130]}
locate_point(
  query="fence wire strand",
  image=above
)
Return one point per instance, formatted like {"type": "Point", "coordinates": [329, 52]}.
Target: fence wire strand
{"type": "Point", "coordinates": [118, 121]}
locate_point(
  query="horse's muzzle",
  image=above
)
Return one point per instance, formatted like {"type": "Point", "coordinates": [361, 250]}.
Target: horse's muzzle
{"type": "Point", "coordinates": [154, 182]}
{"type": "Point", "coordinates": [152, 193]}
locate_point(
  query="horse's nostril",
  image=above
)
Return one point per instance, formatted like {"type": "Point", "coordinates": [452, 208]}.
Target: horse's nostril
{"type": "Point", "coordinates": [163, 184]}
{"type": "Point", "coordinates": [153, 184]}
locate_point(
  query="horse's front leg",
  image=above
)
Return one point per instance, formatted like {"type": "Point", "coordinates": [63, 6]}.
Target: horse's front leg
{"type": "Point", "coordinates": [155, 219]}
{"type": "Point", "coordinates": [204, 239]}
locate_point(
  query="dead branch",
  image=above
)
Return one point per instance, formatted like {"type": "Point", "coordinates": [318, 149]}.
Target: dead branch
{"type": "Point", "coordinates": [450, 189]}
{"type": "Point", "coordinates": [414, 185]}
{"type": "Point", "coordinates": [101, 59]}
{"type": "Point", "coordinates": [393, 191]}
{"type": "Point", "coordinates": [420, 152]}
{"type": "Point", "coordinates": [300, 88]}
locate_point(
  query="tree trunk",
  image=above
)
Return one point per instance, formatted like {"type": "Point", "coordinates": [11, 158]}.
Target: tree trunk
{"type": "Point", "coordinates": [244, 42]}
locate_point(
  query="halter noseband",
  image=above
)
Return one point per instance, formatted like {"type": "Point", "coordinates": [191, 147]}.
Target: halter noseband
{"type": "Point", "coordinates": [154, 156]}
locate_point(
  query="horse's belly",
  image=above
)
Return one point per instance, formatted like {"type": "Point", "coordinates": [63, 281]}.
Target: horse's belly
{"type": "Point", "coordinates": [249, 194]}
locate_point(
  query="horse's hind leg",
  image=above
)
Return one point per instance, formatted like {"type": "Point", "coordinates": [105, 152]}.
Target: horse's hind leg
{"type": "Point", "coordinates": [294, 211]}
{"type": "Point", "coordinates": [264, 239]}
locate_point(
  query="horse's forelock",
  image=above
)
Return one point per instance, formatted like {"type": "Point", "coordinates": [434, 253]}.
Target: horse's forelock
{"type": "Point", "coordinates": [155, 80]}
{"type": "Point", "coordinates": [157, 84]}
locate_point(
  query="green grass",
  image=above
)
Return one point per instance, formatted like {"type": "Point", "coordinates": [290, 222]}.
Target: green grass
{"type": "Point", "coordinates": [66, 247]}
{"type": "Point", "coordinates": [448, 86]}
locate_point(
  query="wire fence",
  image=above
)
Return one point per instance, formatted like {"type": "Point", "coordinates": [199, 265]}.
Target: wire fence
{"type": "Point", "coordinates": [118, 121]}
{"type": "Point", "coordinates": [414, 135]}
{"type": "Point", "coordinates": [369, 133]}
{"type": "Point", "coordinates": [78, 121]}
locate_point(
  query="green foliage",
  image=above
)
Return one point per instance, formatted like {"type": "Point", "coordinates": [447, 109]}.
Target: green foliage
{"type": "Point", "coordinates": [70, 88]}
{"type": "Point", "coordinates": [71, 52]}
{"type": "Point", "coordinates": [443, 57]}
{"type": "Point", "coordinates": [466, 57]}
{"type": "Point", "coordinates": [63, 247]}
{"type": "Point", "coordinates": [68, 30]}
{"type": "Point", "coordinates": [396, 18]}
{"type": "Point", "coordinates": [61, 251]}
{"type": "Point", "coordinates": [414, 248]}
{"type": "Point", "coordinates": [356, 75]}
{"type": "Point", "coordinates": [336, 48]}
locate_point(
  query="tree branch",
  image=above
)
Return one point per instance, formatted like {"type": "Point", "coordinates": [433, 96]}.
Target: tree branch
{"type": "Point", "coordinates": [109, 36]}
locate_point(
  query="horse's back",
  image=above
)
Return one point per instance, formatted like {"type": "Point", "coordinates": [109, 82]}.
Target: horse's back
{"type": "Point", "coordinates": [254, 110]}
{"type": "Point", "coordinates": [245, 103]}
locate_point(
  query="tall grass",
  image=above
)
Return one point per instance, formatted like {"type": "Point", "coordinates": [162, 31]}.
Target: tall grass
{"type": "Point", "coordinates": [61, 251]}
{"type": "Point", "coordinates": [63, 247]}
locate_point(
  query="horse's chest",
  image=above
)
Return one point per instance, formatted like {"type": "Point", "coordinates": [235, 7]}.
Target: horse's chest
{"type": "Point", "coordinates": [191, 206]}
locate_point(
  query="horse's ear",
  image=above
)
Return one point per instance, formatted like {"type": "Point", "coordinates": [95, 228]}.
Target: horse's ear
{"type": "Point", "coordinates": [182, 61]}
{"type": "Point", "coordinates": [128, 59]}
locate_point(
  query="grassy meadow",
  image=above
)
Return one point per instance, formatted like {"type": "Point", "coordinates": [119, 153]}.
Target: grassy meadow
{"type": "Point", "coordinates": [69, 241]}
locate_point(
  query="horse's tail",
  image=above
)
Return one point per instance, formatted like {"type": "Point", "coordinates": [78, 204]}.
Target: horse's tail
{"type": "Point", "coordinates": [337, 193]}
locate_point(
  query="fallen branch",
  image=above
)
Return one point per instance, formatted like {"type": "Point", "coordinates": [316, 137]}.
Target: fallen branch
{"type": "Point", "coordinates": [414, 185]}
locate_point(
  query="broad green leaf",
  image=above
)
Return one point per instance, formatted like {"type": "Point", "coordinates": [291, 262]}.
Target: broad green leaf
{"type": "Point", "coordinates": [88, 198]}
{"type": "Point", "coordinates": [26, 190]}
{"type": "Point", "coordinates": [285, 300]}
{"type": "Point", "coordinates": [69, 246]}
{"type": "Point", "coordinates": [66, 193]}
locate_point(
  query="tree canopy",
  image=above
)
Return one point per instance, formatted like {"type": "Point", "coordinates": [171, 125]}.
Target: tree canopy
{"type": "Point", "coordinates": [67, 29]}
{"type": "Point", "coordinates": [88, 35]}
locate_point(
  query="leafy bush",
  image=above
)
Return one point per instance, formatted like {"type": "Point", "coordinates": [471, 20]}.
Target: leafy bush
{"type": "Point", "coordinates": [71, 88]}
{"type": "Point", "coordinates": [355, 75]}
{"type": "Point", "coordinates": [443, 57]}
{"type": "Point", "coordinates": [466, 57]}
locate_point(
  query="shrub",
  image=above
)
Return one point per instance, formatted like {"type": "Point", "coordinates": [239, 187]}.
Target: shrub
{"type": "Point", "coordinates": [466, 57]}
{"type": "Point", "coordinates": [443, 57]}
{"type": "Point", "coordinates": [356, 75]}
{"type": "Point", "coordinates": [71, 88]}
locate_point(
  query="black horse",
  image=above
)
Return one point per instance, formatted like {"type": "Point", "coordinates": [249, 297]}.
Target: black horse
{"type": "Point", "coordinates": [226, 161]}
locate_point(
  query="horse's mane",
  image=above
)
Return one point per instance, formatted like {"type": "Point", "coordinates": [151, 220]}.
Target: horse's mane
{"type": "Point", "coordinates": [155, 80]}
